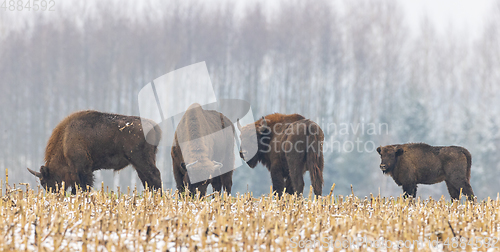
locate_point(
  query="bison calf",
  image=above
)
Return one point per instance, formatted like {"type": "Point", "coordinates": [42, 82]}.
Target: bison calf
{"type": "Point", "coordinates": [418, 163]}
{"type": "Point", "coordinates": [87, 141]}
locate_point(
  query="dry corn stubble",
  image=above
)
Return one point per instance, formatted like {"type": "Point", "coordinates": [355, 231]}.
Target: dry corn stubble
{"type": "Point", "coordinates": [106, 221]}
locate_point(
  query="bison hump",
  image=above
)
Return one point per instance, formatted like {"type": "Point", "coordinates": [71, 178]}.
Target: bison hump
{"type": "Point", "coordinates": [194, 106]}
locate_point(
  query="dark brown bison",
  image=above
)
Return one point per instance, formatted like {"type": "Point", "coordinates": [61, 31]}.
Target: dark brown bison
{"type": "Point", "coordinates": [87, 141]}
{"type": "Point", "coordinates": [288, 145]}
{"type": "Point", "coordinates": [419, 163]}
{"type": "Point", "coordinates": [203, 151]}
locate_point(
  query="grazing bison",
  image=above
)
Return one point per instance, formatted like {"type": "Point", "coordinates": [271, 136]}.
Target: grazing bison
{"type": "Point", "coordinates": [203, 148]}
{"type": "Point", "coordinates": [288, 145]}
{"type": "Point", "coordinates": [419, 163]}
{"type": "Point", "coordinates": [87, 141]}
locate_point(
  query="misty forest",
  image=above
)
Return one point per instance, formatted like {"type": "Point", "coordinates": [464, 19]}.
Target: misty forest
{"type": "Point", "coordinates": [355, 63]}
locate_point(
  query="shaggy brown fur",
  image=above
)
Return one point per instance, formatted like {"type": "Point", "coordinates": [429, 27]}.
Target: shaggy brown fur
{"type": "Point", "coordinates": [201, 141]}
{"type": "Point", "coordinates": [288, 145]}
{"type": "Point", "coordinates": [419, 163]}
{"type": "Point", "coordinates": [87, 141]}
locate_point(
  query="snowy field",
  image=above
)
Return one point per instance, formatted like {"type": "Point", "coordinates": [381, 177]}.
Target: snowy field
{"type": "Point", "coordinates": [105, 221]}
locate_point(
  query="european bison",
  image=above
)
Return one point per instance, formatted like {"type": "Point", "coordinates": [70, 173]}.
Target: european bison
{"type": "Point", "coordinates": [87, 141]}
{"type": "Point", "coordinates": [288, 145]}
{"type": "Point", "coordinates": [419, 163]}
{"type": "Point", "coordinates": [203, 148]}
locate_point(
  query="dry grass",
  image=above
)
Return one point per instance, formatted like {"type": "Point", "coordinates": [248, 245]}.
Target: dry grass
{"type": "Point", "coordinates": [107, 221]}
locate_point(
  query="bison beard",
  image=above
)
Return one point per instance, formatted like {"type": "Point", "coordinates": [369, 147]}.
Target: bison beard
{"type": "Point", "coordinates": [412, 164]}
{"type": "Point", "coordinates": [288, 145]}
{"type": "Point", "coordinates": [87, 141]}
{"type": "Point", "coordinates": [203, 143]}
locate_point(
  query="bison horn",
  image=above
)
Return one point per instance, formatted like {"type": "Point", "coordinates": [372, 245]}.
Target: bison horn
{"type": "Point", "coordinates": [238, 124]}
{"type": "Point", "coordinates": [191, 164]}
{"type": "Point", "coordinates": [217, 164]}
{"type": "Point", "coordinates": [264, 122]}
{"type": "Point", "coordinates": [35, 173]}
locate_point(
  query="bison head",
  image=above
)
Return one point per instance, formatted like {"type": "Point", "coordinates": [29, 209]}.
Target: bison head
{"type": "Point", "coordinates": [252, 136]}
{"type": "Point", "coordinates": [389, 155]}
{"type": "Point", "coordinates": [202, 171]}
{"type": "Point", "coordinates": [203, 164]}
{"type": "Point", "coordinates": [47, 179]}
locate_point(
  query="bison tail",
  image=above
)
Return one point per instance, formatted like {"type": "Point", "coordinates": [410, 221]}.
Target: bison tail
{"type": "Point", "coordinates": [469, 162]}
{"type": "Point", "coordinates": [315, 163]}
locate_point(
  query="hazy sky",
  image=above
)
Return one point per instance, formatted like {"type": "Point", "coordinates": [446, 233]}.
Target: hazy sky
{"type": "Point", "coordinates": [466, 16]}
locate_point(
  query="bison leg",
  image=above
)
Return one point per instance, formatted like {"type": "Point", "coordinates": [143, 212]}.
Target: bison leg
{"type": "Point", "coordinates": [410, 190]}
{"type": "Point", "coordinates": [296, 162]}
{"type": "Point", "coordinates": [278, 179]}
{"type": "Point", "coordinates": [289, 186]}
{"type": "Point", "coordinates": [454, 193]}
{"type": "Point", "coordinates": [179, 177]}
{"type": "Point", "coordinates": [296, 170]}
{"type": "Point", "coordinates": [86, 179]}
{"type": "Point", "coordinates": [144, 162]}
{"type": "Point", "coordinates": [78, 161]}
{"type": "Point", "coordinates": [146, 169]}
{"type": "Point", "coordinates": [216, 184]}
{"type": "Point", "coordinates": [454, 190]}
{"type": "Point", "coordinates": [150, 175]}
{"type": "Point", "coordinates": [467, 190]}
{"type": "Point", "coordinates": [227, 177]}
{"type": "Point", "coordinates": [201, 187]}
{"type": "Point", "coordinates": [227, 181]}
{"type": "Point", "coordinates": [457, 176]}
{"type": "Point", "coordinates": [223, 181]}
{"type": "Point", "coordinates": [297, 181]}
{"type": "Point", "coordinates": [203, 190]}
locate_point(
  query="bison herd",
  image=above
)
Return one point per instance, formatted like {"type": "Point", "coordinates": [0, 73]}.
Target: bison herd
{"type": "Point", "coordinates": [203, 153]}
